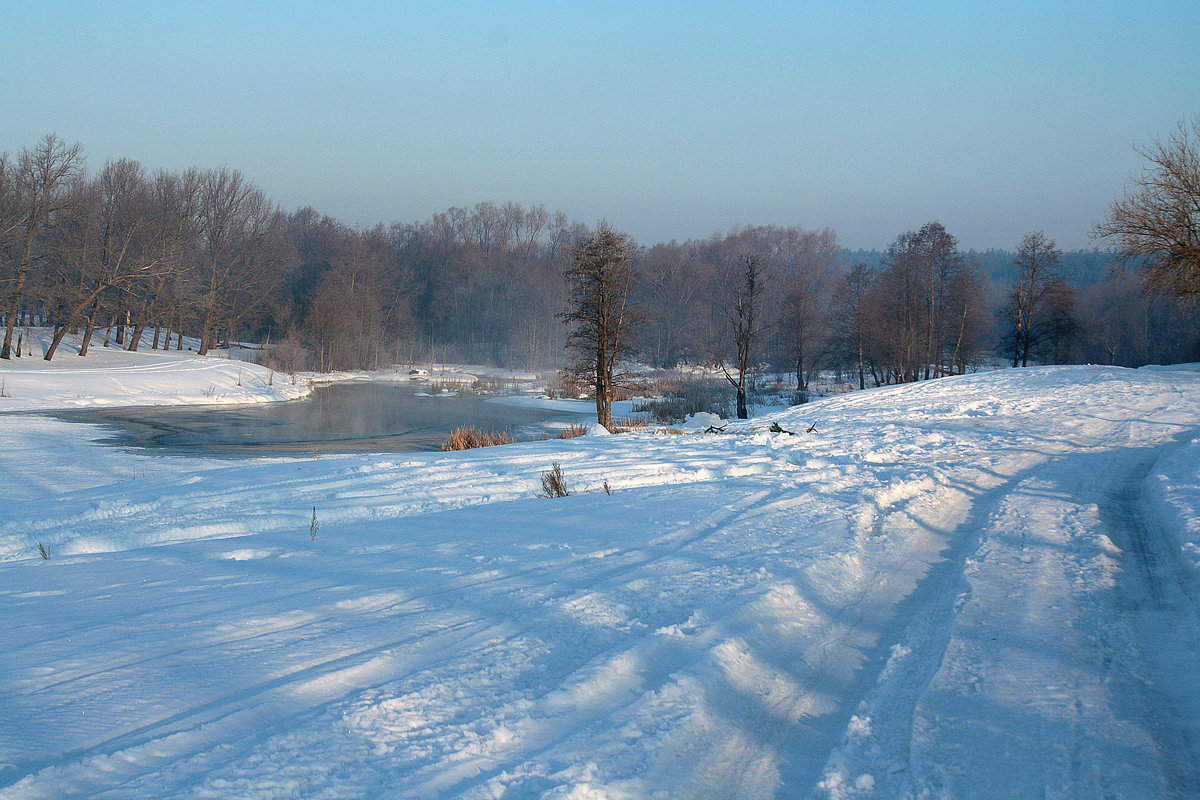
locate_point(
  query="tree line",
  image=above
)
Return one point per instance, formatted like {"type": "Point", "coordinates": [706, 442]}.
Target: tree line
{"type": "Point", "coordinates": [205, 256]}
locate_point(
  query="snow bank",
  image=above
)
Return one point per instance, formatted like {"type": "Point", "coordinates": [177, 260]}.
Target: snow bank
{"type": "Point", "coordinates": [1174, 496]}
{"type": "Point", "coordinates": [702, 421]}
{"type": "Point", "coordinates": [1191, 367]}
{"type": "Point", "coordinates": [108, 377]}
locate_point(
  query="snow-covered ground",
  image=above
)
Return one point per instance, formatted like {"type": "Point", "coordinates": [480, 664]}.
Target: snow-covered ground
{"type": "Point", "coordinates": [979, 586]}
{"type": "Point", "coordinates": [109, 376]}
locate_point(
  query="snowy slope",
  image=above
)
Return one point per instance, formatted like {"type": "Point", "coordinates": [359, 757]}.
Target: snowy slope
{"type": "Point", "coordinates": [115, 377]}
{"type": "Point", "coordinates": [973, 587]}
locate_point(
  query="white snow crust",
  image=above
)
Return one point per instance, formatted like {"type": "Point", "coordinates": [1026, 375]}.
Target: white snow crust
{"type": "Point", "coordinates": [979, 586]}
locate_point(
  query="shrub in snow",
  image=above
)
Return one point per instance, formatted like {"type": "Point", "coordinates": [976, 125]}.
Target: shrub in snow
{"type": "Point", "coordinates": [553, 483]}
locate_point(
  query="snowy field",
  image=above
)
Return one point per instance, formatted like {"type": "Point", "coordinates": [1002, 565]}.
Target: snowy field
{"type": "Point", "coordinates": [981, 586]}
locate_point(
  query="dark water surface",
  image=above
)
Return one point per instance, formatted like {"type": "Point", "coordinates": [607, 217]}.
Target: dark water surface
{"type": "Point", "coordinates": [346, 417]}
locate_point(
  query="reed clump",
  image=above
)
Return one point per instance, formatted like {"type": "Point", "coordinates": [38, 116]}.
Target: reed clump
{"type": "Point", "coordinates": [468, 438]}
{"type": "Point", "coordinates": [630, 424]}
{"type": "Point", "coordinates": [573, 431]}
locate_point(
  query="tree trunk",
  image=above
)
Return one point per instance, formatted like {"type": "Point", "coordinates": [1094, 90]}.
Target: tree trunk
{"type": "Point", "coordinates": [11, 317]}
{"type": "Point", "coordinates": [14, 305]}
{"type": "Point", "coordinates": [862, 377]}
{"type": "Point", "coordinates": [206, 330]}
{"type": "Point", "coordinates": [89, 327]}
{"type": "Point", "coordinates": [135, 338]}
{"type": "Point", "coordinates": [603, 390]}
{"type": "Point", "coordinates": [69, 322]}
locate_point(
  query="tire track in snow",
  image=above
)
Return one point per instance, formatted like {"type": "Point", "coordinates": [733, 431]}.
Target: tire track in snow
{"type": "Point", "coordinates": [1161, 594]}
{"type": "Point", "coordinates": [705, 661]}
{"type": "Point", "coordinates": [1070, 718]}
{"type": "Point", "coordinates": [908, 653]}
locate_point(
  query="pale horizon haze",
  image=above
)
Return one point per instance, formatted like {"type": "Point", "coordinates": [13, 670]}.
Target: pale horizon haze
{"type": "Point", "coordinates": [669, 120]}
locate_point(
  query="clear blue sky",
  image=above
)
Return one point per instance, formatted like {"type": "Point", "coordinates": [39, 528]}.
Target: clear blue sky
{"type": "Point", "coordinates": [670, 120]}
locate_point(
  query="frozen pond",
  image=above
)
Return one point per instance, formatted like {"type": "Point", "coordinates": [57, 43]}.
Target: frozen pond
{"type": "Point", "coordinates": [346, 417]}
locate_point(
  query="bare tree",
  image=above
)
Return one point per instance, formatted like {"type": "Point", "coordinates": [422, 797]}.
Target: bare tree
{"type": "Point", "coordinates": [40, 184]}
{"type": "Point", "coordinates": [241, 244]}
{"type": "Point", "coordinates": [852, 318]}
{"type": "Point", "coordinates": [347, 314]}
{"type": "Point", "coordinates": [809, 273]}
{"type": "Point", "coordinates": [937, 252]}
{"type": "Point", "coordinates": [10, 224]}
{"type": "Point", "coordinates": [805, 327]}
{"type": "Point", "coordinates": [1128, 326]}
{"type": "Point", "coordinates": [113, 238]}
{"type": "Point", "coordinates": [967, 315]}
{"type": "Point", "coordinates": [174, 200]}
{"type": "Point", "coordinates": [1157, 223]}
{"type": "Point", "coordinates": [1036, 303]}
{"type": "Point", "coordinates": [898, 304]}
{"type": "Point", "coordinates": [745, 314]}
{"type": "Point", "coordinates": [928, 302]}
{"type": "Point", "coordinates": [9, 209]}
{"type": "Point", "coordinates": [670, 286]}
{"type": "Point", "coordinates": [601, 278]}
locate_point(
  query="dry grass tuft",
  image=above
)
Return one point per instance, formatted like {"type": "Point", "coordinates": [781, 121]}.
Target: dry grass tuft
{"type": "Point", "coordinates": [470, 438]}
{"type": "Point", "coordinates": [629, 424]}
{"type": "Point", "coordinates": [553, 483]}
{"type": "Point", "coordinates": [573, 431]}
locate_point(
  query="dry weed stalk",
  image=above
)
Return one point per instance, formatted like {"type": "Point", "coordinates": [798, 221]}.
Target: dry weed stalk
{"type": "Point", "coordinates": [553, 482]}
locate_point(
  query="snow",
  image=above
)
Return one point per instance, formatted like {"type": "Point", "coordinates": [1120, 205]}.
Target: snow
{"type": "Point", "coordinates": [977, 586]}
{"type": "Point", "coordinates": [702, 421]}
{"type": "Point", "coordinates": [108, 377]}
{"type": "Point", "coordinates": [1174, 495]}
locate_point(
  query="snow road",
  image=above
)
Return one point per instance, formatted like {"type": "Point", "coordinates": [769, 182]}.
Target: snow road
{"type": "Point", "coordinates": [972, 587]}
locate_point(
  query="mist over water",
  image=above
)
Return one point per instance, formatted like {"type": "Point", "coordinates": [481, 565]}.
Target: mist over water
{"type": "Point", "coordinates": [348, 417]}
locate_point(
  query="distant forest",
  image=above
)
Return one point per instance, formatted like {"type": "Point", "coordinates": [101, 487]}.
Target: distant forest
{"type": "Point", "coordinates": [206, 255]}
